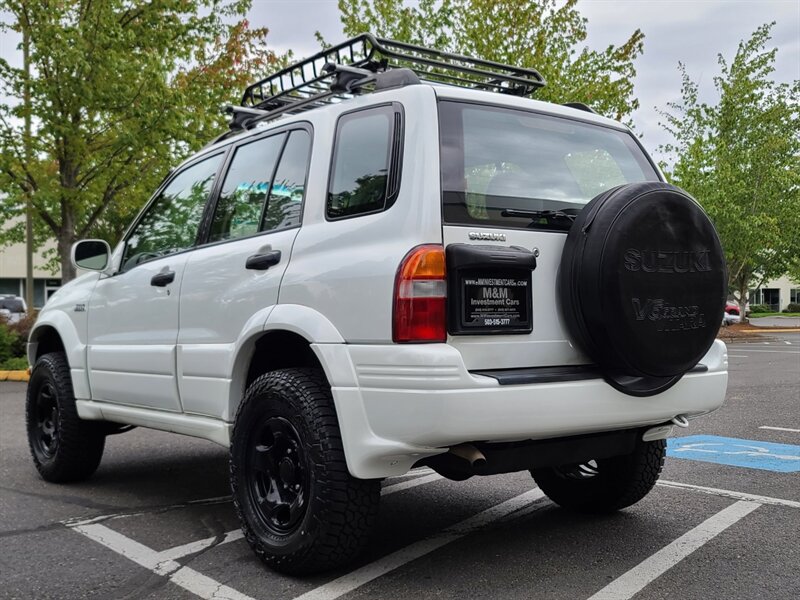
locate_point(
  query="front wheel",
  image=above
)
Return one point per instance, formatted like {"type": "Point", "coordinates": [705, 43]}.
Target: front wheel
{"type": "Point", "coordinates": [604, 485]}
{"type": "Point", "coordinates": [300, 509]}
{"type": "Point", "coordinates": [64, 447]}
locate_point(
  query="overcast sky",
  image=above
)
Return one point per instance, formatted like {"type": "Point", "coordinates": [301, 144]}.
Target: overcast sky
{"type": "Point", "coordinates": [689, 31]}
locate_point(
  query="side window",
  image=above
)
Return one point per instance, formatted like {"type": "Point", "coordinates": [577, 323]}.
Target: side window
{"type": "Point", "coordinates": [172, 220]}
{"type": "Point", "coordinates": [286, 198]}
{"type": "Point", "coordinates": [244, 192]}
{"type": "Point", "coordinates": [361, 181]}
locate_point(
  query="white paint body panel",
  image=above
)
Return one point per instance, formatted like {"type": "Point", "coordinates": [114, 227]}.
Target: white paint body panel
{"type": "Point", "coordinates": [133, 329]}
{"type": "Point", "coordinates": [408, 404]}
{"type": "Point", "coordinates": [179, 361]}
{"type": "Point", "coordinates": [218, 298]}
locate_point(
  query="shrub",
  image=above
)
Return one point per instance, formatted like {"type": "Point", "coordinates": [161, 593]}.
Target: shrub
{"type": "Point", "coordinates": [9, 343]}
{"type": "Point", "coordinates": [760, 308]}
{"type": "Point", "coordinates": [14, 364]}
{"type": "Point", "coordinates": [793, 307]}
{"type": "Point", "coordinates": [22, 329]}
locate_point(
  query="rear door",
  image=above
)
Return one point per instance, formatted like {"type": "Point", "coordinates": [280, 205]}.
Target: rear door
{"type": "Point", "coordinates": [512, 177]}
{"type": "Point", "coordinates": [235, 276]}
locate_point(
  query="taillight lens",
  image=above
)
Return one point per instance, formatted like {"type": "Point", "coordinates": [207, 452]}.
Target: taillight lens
{"type": "Point", "coordinates": [420, 294]}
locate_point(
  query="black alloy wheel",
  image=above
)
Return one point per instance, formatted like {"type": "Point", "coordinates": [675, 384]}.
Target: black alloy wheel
{"type": "Point", "coordinates": [279, 486]}
{"type": "Point", "coordinates": [300, 509]}
{"type": "Point", "coordinates": [45, 441]}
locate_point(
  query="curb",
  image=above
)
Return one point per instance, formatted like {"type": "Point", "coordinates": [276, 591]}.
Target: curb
{"type": "Point", "coordinates": [14, 375]}
{"type": "Point", "coordinates": [772, 330]}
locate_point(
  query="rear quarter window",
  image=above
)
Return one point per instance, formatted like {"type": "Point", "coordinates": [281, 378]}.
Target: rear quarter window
{"type": "Point", "coordinates": [365, 166]}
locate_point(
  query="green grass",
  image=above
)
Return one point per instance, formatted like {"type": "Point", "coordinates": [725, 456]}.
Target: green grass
{"type": "Point", "coordinates": [774, 314]}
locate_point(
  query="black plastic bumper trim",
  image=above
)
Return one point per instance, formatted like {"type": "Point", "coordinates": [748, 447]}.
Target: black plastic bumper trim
{"type": "Point", "coordinates": [553, 374]}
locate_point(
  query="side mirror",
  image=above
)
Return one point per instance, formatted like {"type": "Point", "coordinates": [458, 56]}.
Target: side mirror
{"type": "Point", "coordinates": [92, 255]}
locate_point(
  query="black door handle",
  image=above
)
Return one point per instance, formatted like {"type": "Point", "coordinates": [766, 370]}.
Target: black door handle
{"type": "Point", "coordinates": [162, 279]}
{"type": "Point", "coordinates": [262, 262]}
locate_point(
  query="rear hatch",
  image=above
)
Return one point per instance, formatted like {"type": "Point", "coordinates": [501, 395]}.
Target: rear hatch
{"type": "Point", "coordinates": [513, 178]}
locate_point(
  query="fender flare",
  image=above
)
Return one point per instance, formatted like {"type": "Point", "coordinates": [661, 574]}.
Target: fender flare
{"type": "Point", "coordinates": [74, 348]}
{"type": "Point", "coordinates": [304, 321]}
{"type": "Point", "coordinates": [65, 328]}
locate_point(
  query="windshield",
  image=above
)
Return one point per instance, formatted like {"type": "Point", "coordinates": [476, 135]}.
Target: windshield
{"type": "Point", "coordinates": [498, 163]}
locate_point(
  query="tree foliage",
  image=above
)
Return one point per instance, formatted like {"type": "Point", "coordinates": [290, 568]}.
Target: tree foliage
{"type": "Point", "coordinates": [119, 91]}
{"type": "Point", "coordinates": [546, 35]}
{"type": "Point", "coordinates": [740, 157]}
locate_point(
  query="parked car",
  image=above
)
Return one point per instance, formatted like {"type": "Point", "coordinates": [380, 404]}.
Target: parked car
{"type": "Point", "coordinates": [732, 308]}
{"type": "Point", "coordinates": [375, 271]}
{"type": "Point", "coordinates": [12, 309]}
{"type": "Point", "coordinates": [730, 318]}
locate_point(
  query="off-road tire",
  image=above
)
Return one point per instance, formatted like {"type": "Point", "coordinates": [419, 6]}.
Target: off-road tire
{"type": "Point", "coordinates": [339, 510]}
{"type": "Point", "coordinates": [618, 482]}
{"type": "Point", "coordinates": [69, 449]}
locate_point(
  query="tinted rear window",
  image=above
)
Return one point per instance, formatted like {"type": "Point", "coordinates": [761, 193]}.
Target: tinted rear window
{"type": "Point", "coordinates": [495, 159]}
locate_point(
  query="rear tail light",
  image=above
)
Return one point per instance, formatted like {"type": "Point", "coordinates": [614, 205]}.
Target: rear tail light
{"type": "Point", "coordinates": [420, 293]}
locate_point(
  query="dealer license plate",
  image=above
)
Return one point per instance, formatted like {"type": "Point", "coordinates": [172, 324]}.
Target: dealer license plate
{"type": "Point", "coordinates": [496, 303]}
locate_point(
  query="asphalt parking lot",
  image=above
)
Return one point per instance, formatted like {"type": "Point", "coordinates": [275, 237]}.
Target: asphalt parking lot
{"type": "Point", "coordinates": [156, 521]}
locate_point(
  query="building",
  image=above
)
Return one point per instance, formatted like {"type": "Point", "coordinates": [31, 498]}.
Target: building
{"type": "Point", "coordinates": [777, 293]}
{"type": "Point", "coordinates": [12, 274]}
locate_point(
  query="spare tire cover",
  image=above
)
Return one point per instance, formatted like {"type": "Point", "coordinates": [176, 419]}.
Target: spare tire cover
{"type": "Point", "coordinates": [643, 284]}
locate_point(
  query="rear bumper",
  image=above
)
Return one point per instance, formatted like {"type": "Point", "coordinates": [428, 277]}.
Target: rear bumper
{"type": "Point", "coordinates": [404, 403]}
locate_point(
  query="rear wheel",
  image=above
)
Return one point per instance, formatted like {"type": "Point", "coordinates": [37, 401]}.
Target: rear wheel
{"type": "Point", "coordinates": [605, 485]}
{"type": "Point", "coordinates": [64, 447]}
{"type": "Point", "coordinates": [300, 509]}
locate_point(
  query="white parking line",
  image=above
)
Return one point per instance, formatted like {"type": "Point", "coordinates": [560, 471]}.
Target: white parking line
{"type": "Point", "coordinates": [648, 570]}
{"type": "Point", "coordinates": [355, 579]}
{"type": "Point", "coordinates": [730, 494]}
{"type": "Point", "coordinates": [200, 545]}
{"type": "Point", "coordinates": [187, 578]}
{"type": "Point", "coordinates": [780, 428]}
{"type": "Point", "coordinates": [772, 351]}
{"type": "Point", "coordinates": [404, 485]}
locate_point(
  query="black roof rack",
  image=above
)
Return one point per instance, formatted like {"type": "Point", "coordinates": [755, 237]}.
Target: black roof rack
{"type": "Point", "coordinates": [342, 71]}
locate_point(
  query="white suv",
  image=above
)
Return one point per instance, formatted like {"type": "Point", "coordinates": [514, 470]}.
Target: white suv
{"type": "Point", "coordinates": [375, 271]}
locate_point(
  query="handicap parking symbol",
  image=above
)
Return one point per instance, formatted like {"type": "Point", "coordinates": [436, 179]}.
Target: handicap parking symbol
{"type": "Point", "coordinates": [753, 454]}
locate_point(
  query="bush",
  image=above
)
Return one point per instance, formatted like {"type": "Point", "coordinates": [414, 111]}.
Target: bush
{"type": "Point", "coordinates": [793, 307]}
{"type": "Point", "coordinates": [23, 330]}
{"type": "Point", "coordinates": [14, 364]}
{"type": "Point", "coordinates": [9, 343]}
{"type": "Point", "coordinates": [760, 308]}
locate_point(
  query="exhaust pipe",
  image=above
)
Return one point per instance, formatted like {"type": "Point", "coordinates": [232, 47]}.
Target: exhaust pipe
{"type": "Point", "coordinates": [469, 453]}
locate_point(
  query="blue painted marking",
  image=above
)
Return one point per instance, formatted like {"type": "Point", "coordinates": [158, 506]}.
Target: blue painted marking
{"type": "Point", "coordinates": [783, 458]}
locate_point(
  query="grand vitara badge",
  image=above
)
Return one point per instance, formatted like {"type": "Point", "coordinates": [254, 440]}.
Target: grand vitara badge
{"type": "Point", "coordinates": [483, 235]}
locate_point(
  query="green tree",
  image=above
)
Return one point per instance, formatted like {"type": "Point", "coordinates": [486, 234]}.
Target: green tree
{"type": "Point", "coordinates": [546, 35]}
{"type": "Point", "coordinates": [740, 157]}
{"type": "Point", "coordinates": [119, 91]}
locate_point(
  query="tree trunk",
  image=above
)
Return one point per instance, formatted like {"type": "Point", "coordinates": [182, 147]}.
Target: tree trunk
{"type": "Point", "coordinates": [66, 237]}
{"type": "Point", "coordinates": [742, 288]}
{"type": "Point", "coordinates": [64, 249]}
